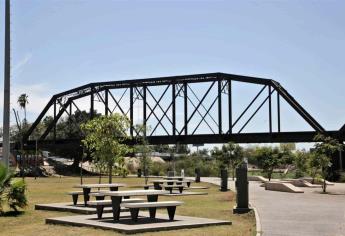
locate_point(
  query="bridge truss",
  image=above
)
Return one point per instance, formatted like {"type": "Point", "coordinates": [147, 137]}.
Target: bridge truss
{"type": "Point", "coordinates": [189, 109]}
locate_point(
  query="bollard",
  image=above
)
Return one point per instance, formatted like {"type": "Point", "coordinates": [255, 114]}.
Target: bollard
{"type": "Point", "coordinates": [139, 173]}
{"type": "Point", "coordinates": [197, 175]}
{"type": "Point", "coordinates": [223, 180]}
{"type": "Point", "coordinates": [242, 197]}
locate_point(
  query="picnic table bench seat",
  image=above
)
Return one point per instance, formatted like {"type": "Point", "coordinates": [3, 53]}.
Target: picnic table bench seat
{"type": "Point", "coordinates": [152, 206]}
{"type": "Point", "coordinates": [170, 187]}
{"type": "Point", "coordinates": [100, 204]}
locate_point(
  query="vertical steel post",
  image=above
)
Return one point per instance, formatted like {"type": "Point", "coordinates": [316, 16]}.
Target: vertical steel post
{"type": "Point", "coordinates": [70, 119]}
{"type": "Point", "coordinates": [144, 109]}
{"type": "Point", "coordinates": [131, 110]}
{"type": "Point", "coordinates": [185, 94]}
{"type": "Point", "coordinates": [270, 108]}
{"type": "Point", "coordinates": [7, 76]}
{"type": "Point", "coordinates": [278, 110]}
{"type": "Point", "coordinates": [92, 102]}
{"type": "Point", "coordinates": [174, 108]}
{"type": "Point", "coordinates": [220, 106]}
{"type": "Point", "coordinates": [54, 130]}
{"type": "Point", "coordinates": [230, 105]}
{"type": "Point", "coordinates": [106, 102]}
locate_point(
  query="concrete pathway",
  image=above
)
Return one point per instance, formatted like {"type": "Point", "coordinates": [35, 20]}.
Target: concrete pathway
{"type": "Point", "coordinates": [299, 214]}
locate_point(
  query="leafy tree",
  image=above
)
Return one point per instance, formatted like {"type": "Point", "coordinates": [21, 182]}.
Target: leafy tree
{"type": "Point", "coordinates": [217, 154]}
{"type": "Point", "coordinates": [144, 150]}
{"type": "Point", "coordinates": [324, 148]}
{"type": "Point", "coordinates": [288, 155]}
{"type": "Point", "coordinates": [301, 163]}
{"type": "Point", "coordinates": [268, 159]}
{"type": "Point", "coordinates": [313, 165]}
{"type": "Point", "coordinates": [104, 138]}
{"type": "Point", "coordinates": [12, 191]}
{"type": "Point", "coordinates": [232, 156]}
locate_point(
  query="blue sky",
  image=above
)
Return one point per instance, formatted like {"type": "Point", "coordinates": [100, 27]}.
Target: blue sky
{"type": "Point", "coordinates": [57, 45]}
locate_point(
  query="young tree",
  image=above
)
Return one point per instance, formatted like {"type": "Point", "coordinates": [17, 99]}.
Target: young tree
{"type": "Point", "coordinates": [324, 148]}
{"type": "Point", "coordinates": [144, 150]}
{"type": "Point", "coordinates": [232, 156]}
{"type": "Point", "coordinates": [268, 159]}
{"type": "Point", "coordinates": [313, 165]}
{"type": "Point", "coordinates": [301, 163]}
{"type": "Point", "coordinates": [104, 138]}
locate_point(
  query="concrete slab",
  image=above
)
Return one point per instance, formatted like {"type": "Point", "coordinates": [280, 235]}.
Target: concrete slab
{"type": "Point", "coordinates": [144, 223]}
{"type": "Point", "coordinates": [198, 187]}
{"type": "Point", "coordinates": [185, 193]}
{"type": "Point", "coordinates": [283, 187]}
{"type": "Point", "coordinates": [308, 214]}
{"type": "Point", "coordinates": [257, 178]}
{"type": "Point", "coordinates": [69, 207]}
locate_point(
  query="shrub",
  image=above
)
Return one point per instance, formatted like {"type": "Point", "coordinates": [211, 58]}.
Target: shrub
{"type": "Point", "coordinates": [12, 191]}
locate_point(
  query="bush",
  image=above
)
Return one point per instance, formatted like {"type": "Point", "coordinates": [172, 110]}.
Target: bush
{"type": "Point", "coordinates": [12, 191]}
{"type": "Point", "coordinates": [158, 168]}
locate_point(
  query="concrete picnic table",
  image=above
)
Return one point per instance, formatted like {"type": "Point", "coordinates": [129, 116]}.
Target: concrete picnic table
{"type": "Point", "coordinates": [173, 177]}
{"type": "Point", "coordinates": [116, 198]}
{"type": "Point", "coordinates": [157, 182]}
{"type": "Point", "coordinates": [87, 189]}
{"type": "Point", "coordinates": [179, 178]}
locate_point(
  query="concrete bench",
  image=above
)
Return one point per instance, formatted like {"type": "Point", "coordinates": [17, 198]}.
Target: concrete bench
{"type": "Point", "coordinates": [100, 204]}
{"type": "Point", "coordinates": [170, 187]}
{"type": "Point", "coordinates": [152, 206]}
{"type": "Point", "coordinates": [75, 195]}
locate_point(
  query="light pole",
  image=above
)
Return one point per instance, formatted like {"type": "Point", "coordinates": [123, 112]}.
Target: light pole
{"type": "Point", "coordinates": [7, 74]}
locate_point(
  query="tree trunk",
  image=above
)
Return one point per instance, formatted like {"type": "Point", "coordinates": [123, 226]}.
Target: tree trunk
{"type": "Point", "coordinates": [233, 173]}
{"type": "Point", "coordinates": [324, 185]}
{"type": "Point", "coordinates": [110, 173]}
{"type": "Point", "coordinates": [81, 172]}
{"type": "Point", "coordinates": [100, 175]}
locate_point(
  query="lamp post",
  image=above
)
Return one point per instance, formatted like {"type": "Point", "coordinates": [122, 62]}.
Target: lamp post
{"type": "Point", "coordinates": [7, 74]}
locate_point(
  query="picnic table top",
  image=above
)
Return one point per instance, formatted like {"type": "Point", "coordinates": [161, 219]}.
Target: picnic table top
{"type": "Point", "coordinates": [134, 193]}
{"type": "Point", "coordinates": [173, 177]}
{"type": "Point", "coordinates": [169, 181]}
{"type": "Point", "coordinates": [173, 186]}
{"type": "Point", "coordinates": [99, 185]}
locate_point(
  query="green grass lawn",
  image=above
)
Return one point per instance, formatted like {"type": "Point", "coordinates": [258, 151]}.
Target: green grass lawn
{"type": "Point", "coordinates": [216, 204]}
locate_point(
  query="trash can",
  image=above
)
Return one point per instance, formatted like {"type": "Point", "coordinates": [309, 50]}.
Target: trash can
{"type": "Point", "coordinates": [197, 175]}
{"type": "Point", "coordinates": [223, 180]}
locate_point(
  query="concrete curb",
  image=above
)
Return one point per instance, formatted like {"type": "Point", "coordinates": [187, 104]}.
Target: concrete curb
{"type": "Point", "coordinates": [257, 220]}
{"type": "Point", "coordinates": [256, 213]}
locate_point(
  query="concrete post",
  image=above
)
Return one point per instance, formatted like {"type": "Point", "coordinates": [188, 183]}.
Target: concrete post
{"type": "Point", "coordinates": [242, 198]}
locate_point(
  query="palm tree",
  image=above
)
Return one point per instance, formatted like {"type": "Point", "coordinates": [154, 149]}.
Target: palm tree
{"type": "Point", "coordinates": [23, 101]}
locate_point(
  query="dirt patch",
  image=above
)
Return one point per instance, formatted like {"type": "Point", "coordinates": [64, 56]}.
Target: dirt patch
{"type": "Point", "coordinates": [228, 196]}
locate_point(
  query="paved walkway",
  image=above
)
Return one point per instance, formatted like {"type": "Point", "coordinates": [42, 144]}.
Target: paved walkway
{"type": "Point", "coordinates": [299, 214]}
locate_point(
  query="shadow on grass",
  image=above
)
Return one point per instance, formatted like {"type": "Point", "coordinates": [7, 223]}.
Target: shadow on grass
{"type": "Point", "coordinates": [12, 213]}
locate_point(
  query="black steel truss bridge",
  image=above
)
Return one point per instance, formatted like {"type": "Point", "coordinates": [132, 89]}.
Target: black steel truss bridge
{"type": "Point", "coordinates": [188, 109]}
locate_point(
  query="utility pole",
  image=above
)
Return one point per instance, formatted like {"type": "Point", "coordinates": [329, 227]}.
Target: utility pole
{"type": "Point", "coordinates": [7, 74]}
